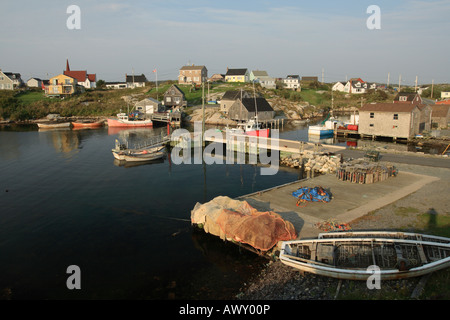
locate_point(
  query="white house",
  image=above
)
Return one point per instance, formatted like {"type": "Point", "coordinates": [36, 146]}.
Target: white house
{"type": "Point", "coordinates": [292, 82]}
{"type": "Point", "coordinates": [149, 106]}
{"type": "Point", "coordinates": [445, 94]}
{"type": "Point", "coordinates": [34, 83]}
{"type": "Point", "coordinates": [338, 86]}
{"type": "Point", "coordinates": [115, 85]}
{"type": "Point", "coordinates": [262, 77]}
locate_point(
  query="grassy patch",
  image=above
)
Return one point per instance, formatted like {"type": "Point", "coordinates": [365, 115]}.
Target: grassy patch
{"type": "Point", "coordinates": [405, 211]}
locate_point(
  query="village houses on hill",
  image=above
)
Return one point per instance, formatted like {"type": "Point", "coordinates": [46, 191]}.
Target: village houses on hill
{"type": "Point", "coordinates": [10, 80]}
{"type": "Point", "coordinates": [87, 80]}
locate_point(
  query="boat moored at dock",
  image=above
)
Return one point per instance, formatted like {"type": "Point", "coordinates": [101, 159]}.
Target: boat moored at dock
{"type": "Point", "coordinates": [123, 120]}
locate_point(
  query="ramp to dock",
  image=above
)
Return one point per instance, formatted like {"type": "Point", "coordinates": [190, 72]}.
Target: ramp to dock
{"type": "Point", "coordinates": [349, 200]}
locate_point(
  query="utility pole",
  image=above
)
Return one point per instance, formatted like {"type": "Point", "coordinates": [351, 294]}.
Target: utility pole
{"type": "Point", "coordinates": [203, 109]}
{"type": "Point", "coordinates": [432, 87]}
{"type": "Point", "coordinates": [322, 74]}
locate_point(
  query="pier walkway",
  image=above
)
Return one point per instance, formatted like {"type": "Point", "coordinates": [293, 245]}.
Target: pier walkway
{"type": "Point", "coordinates": [349, 201]}
{"type": "Point", "coordinates": [240, 142]}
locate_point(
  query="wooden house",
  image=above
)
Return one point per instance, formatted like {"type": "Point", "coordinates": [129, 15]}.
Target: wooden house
{"type": "Point", "coordinates": [440, 116]}
{"type": "Point", "coordinates": [6, 83]}
{"type": "Point", "coordinates": [135, 81]}
{"type": "Point", "coordinates": [149, 106]}
{"type": "Point", "coordinates": [174, 97]}
{"type": "Point", "coordinates": [192, 75]}
{"type": "Point", "coordinates": [402, 120]}
{"type": "Point", "coordinates": [230, 97]}
{"type": "Point", "coordinates": [408, 97]}
{"type": "Point", "coordinates": [62, 85]}
{"type": "Point", "coordinates": [246, 108]}
{"type": "Point", "coordinates": [237, 75]}
{"type": "Point", "coordinates": [292, 82]}
{"type": "Point", "coordinates": [217, 77]}
{"type": "Point", "coordinates": [34, 83]}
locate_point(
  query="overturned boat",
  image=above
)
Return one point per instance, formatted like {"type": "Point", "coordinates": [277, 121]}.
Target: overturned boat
{"type": "Point", "coordinates": [354, 258]}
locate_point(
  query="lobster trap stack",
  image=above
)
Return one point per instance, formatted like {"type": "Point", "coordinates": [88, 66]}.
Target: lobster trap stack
{"type": "Point", "coordinates": [363, 172]}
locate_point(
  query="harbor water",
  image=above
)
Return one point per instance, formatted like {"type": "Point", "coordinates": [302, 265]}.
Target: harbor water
{"type": "Point", "coordinates": [65, 201]}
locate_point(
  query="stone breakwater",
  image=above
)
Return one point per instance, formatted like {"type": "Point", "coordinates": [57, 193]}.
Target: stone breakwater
{"type": "Point", "coordinates": [312, 163]}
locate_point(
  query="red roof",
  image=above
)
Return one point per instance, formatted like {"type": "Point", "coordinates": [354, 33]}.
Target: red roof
{"type": "Point", "coordinates": [79, 75]}
{"type": "Point", "coordinates": [447, 101]}
{"type": "Point", "coordinates": [92, 77]}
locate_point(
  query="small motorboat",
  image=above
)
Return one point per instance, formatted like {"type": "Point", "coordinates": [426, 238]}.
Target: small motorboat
{"type": "Point", "coordinates": [352, 257]}
{"type": "Point", "coordinates": [135, 155]}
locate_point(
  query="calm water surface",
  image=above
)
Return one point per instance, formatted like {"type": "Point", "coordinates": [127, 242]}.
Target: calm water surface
{"type": "Point", "coordinates": [65, 201]}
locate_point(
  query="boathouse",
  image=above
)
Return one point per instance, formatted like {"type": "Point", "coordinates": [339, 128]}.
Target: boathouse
{"type": "Point", "coordinates": [245, 109]}
{"type": "Point", "coordinates": [174, 97]}
{"type": "Point", "coordinates": [230, 97]}
{"type": "Point", "coordinates": [395, 120]}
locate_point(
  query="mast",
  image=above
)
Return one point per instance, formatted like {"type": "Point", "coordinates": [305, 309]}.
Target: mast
{"type": "Point", "coordinates": [256, 107]}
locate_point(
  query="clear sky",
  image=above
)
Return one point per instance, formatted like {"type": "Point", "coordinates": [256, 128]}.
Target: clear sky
{"type": "Point", "coordinates": [282, 37]}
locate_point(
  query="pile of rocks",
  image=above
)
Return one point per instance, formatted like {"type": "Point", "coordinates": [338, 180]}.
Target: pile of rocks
{"type": "Point", "coordinates": [319, 163]}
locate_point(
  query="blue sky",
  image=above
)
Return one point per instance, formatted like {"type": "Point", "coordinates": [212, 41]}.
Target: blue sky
{"type": "Point", "coordinates": [282, 37]}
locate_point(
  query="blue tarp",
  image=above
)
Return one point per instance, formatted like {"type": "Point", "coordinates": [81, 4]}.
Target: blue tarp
{"type": "Point", "coordinates": [316, 194]}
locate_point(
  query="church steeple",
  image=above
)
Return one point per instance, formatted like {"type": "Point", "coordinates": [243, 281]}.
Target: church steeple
{"type": "Point", "coordinates": [67, 65]}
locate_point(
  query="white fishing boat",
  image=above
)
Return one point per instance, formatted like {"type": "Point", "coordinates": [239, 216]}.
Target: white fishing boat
{"type": "Point", "coordinates": [250, 128]}
{"type": "Point", "coordinates": [354, 258]}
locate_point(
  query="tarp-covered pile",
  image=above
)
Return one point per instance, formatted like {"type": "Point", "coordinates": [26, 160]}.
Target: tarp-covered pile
{"type": "Point", "coordinates": [316, 194]}
{"type": "Point", "coordinates": [236, 220]}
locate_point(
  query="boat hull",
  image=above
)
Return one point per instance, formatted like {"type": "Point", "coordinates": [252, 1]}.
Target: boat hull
{"type": "Point", "coordinates": [320, 131]}
{"type": "Point", "coordinates": [79, 125]}
{"type": "Point", "coordinates": [130, 123]}
{"type": "Point", "coordinates": [139, 155]}
{"type": "Point", "coordinates": [53, 125]}
{"type": "Point", "coordinates": [357, 258]}
{"type": "Point", "coordinates": [258, 133]}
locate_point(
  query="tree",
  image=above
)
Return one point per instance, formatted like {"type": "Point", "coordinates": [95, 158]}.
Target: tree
{"type": "Point", "coordinates": [100, 84]}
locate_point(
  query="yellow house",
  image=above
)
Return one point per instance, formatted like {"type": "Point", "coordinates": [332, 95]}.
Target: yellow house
{"type": "Point", "coordinates": [237, 75]}
{"type": "Point", "coordinates": [61, 85]}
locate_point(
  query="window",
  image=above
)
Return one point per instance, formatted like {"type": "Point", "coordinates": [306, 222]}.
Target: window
{"type": "Point", "coordinates": [372, 115]}
{"type": "Point", "coordinates": [371, 125]}
{"type": "Point", "coordinates": [403, 98]}
{"type": "Point", "coordinates": [395, 116]}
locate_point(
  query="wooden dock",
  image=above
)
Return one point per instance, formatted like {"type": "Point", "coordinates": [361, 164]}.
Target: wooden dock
{"type": "Point", "coordinates": [167, 117]}
{"type": "Point", "coordinates": [249, 143]}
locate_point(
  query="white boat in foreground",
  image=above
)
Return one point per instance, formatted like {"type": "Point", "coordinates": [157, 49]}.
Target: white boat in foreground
{"type": "Point", "coordinates": [351, 257]}
{"type": "Point", "coordinates": [383, 234]}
